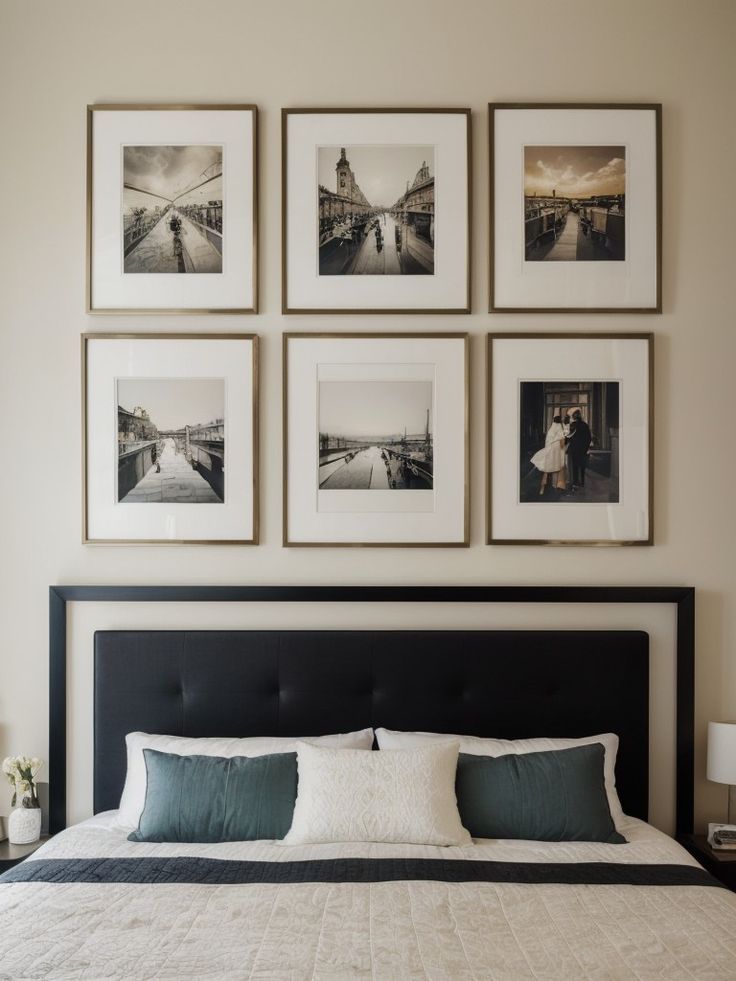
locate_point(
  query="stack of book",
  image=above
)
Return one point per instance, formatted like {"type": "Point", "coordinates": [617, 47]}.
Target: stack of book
{"type": "Point", "coordinates": [722, 836]}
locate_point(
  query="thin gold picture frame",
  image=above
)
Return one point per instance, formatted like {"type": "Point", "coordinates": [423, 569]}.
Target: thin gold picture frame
{"type": "Point", "coordinates": [368, 335]}
{"type": "Point", "coordinates": [285, 307]}
{"type": "Point", "coordinates": [654, 107]}
{"type": "Point", "coordinates": [165, 311]}
{"type": "Point", "coordinates": [491, 537]}
{"type": "Point", "coordinates": [173, 336]}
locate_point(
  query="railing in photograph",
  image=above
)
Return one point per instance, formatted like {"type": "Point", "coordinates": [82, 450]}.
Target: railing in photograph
{"type": "Point", "coordinates": [544, 221]}
{"type": "Point", "coordinates": [133, 445]}
{"type": "Point", "coordinates": [134, 229]}
{"type": "Point", "coordinates": [605, 226]}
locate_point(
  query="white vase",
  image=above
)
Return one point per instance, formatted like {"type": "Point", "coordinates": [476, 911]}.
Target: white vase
{"type": "Point", "coordinates": [24, 825]}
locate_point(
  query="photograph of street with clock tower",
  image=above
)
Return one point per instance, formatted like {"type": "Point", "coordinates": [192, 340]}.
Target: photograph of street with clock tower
{"type": "Point", "coordinates": [376, 210]}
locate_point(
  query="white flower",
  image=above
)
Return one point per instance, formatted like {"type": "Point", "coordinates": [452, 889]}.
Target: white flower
{"type": "Point", "coordinates": [10, 769]}
{"type": "Point", "coordinates": [20, 772]}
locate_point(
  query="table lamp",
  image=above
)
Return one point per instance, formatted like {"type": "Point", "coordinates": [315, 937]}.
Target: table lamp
{"type": "Point", "coordinates": [722, 759]}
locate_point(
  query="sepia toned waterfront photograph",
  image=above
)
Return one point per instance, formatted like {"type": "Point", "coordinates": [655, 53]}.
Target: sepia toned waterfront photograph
{"type": "Point", "coordinates": [376, 210]}
{"type": "Point", "coordinates": [569, 442]}
{"type": "Point", "coordinates": [171, 440]}
{"type": "Point", "coordinates": [574, 203]}
{"type": "Point", "coordinates": [375, 435]}
{"type": "Point", "coordinates": [172, 209]}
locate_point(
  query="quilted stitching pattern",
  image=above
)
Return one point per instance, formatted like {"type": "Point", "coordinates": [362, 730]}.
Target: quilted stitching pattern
{"type": "Point", "coordinates": [390, 930]}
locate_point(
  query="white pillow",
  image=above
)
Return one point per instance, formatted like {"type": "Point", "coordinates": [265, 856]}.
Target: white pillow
{"type": "Point", "coordinates": [134, 792]}
{"type": "Point", "coordinates": [353, 795]}
{"type": "Point", "coordinates": [479, 746]}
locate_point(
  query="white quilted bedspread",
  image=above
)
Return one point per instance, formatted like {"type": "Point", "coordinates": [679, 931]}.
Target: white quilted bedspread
{"type": "Point", "coordinates": [385, 930]}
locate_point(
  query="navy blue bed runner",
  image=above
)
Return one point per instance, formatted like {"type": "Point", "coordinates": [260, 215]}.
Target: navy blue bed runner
{"type": "Point", "coordinates": [215, 872]}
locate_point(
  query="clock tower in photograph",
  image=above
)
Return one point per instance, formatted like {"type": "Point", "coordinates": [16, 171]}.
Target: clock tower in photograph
{"type": "Point", "coordinates": [344, 176]}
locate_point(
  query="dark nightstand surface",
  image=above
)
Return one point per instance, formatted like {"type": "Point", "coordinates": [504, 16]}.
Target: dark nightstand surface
{"type": "Point", "coordinates": [721, 864]}
{"type": "Point", "coordinates": [10, 855]}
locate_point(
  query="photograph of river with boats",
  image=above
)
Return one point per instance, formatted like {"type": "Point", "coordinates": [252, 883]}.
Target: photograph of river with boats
{"type": "Point", "coordinates": [375, 435]}
{"type": "Point", "coordinates": [574, 203]}
{"type": "Point", "coordinates": [376, 210]}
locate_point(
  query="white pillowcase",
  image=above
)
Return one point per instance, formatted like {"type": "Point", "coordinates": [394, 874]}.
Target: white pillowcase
{"type": "Point", "coordinates": [403, 796]}
{"type": "Point", "coordinates": [479, 746]}
{"type": "Point", "coordinates": [134, 792]}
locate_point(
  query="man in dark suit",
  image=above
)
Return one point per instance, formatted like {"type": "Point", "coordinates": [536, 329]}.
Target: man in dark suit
{"type": "Point", "coordinates": [578, 444]}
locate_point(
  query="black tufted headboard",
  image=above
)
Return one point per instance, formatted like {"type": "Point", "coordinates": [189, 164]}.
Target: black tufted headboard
{"type": "Point", "coordinates": [508, 684]}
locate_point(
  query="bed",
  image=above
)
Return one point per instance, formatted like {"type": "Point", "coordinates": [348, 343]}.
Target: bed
{"type": "Point", "coordinates": [97, 905]}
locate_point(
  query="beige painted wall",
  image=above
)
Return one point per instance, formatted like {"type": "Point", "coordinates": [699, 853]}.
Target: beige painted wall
{"type": "Point", "coordinates": [57, 57]}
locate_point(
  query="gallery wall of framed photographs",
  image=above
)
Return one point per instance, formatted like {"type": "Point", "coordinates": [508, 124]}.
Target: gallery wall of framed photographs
{"type": "Point", "coordinates": [410, 56]}
{"type": "Point", "coordinates": [377, 213]}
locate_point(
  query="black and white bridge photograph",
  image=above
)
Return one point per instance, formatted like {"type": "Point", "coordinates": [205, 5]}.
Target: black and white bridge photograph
{"type": "Point", "coordinates": [171, 440]}
{"type": "Point", "coordinates": [375, 435]}
{"type": "Point", "coordinates": [376, 210]}
{"type": "Point", "coordinates": [172, 209]}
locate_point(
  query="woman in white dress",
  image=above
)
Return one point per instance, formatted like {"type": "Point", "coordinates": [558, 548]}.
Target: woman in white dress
{"type": "Point", "coordinates": [550, 460]}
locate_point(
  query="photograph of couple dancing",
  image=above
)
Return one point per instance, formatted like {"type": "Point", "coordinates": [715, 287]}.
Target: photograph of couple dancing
{"type": "Point", "coordinates": [569, 436]}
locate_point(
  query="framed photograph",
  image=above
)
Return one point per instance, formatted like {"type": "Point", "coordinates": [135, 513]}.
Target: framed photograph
{"type": "Point", "coordinates": [172, 209]}
{"type": "Point", "coordinates": [570, 439]}
{"type": "Point", "coordinates": [376, 210]}
{"type": "Point", "coordinates": [376, 439]}
{"type": "Point", "coordinates": [170, 434]}
{"type": "Point", "coordinates": [576, 209]}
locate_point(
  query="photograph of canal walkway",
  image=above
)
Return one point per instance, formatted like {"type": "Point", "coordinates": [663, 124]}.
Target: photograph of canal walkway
{"type": "Point", "coordinates": [172, 209]}
{"type": "Point", "coordinates": [171, 440]}
{"type": "Point", "coordinates": [574, 203]}
{"type": "Point", "coordinates": [379, 220]}
{"type": "Point", "coordinates": [375, 435]}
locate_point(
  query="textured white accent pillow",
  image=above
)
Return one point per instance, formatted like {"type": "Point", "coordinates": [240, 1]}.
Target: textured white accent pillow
{"type": "Point", "coordinates": [401, 796]}
{"type": "Point", "coordinates": [134, 792]}
{"type": "Point", "coordinates": [480, 746]}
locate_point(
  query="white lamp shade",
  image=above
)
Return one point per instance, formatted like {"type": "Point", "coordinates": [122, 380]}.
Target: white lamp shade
{"type": "Point", "coordinates": [722, 752]}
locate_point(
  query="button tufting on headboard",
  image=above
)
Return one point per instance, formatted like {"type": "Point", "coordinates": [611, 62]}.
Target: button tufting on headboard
{"type": "Point", "coordinates": [487, 683]}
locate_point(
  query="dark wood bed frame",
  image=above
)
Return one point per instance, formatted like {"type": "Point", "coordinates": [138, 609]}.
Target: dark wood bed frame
{"type": "Point", "coordinates": [292, 679]}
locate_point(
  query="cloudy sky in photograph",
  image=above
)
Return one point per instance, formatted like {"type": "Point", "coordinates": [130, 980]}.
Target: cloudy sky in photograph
{"type": "Point", "coordinates": [168, 171]}
{"type": "Point", "coordinates": [172, 403]}
{"type": "Point", "coordinates": [381, 171]}
{"type": "Point", "coordinates": [374, 408]}
{"type": "Point", "coordinates": [574, 171]}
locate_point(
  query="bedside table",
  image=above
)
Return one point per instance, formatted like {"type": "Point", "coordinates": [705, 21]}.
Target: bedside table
{"type": "Point", "coordinates": [720, 864]}
{"type": "Point", "coordinates": [11, 855]}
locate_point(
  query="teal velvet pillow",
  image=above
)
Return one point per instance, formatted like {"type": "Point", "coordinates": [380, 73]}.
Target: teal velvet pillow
{"type": "Point", "coordinates": [557, 795]}
{"type": "Point", "coordinates": [211, 798]}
